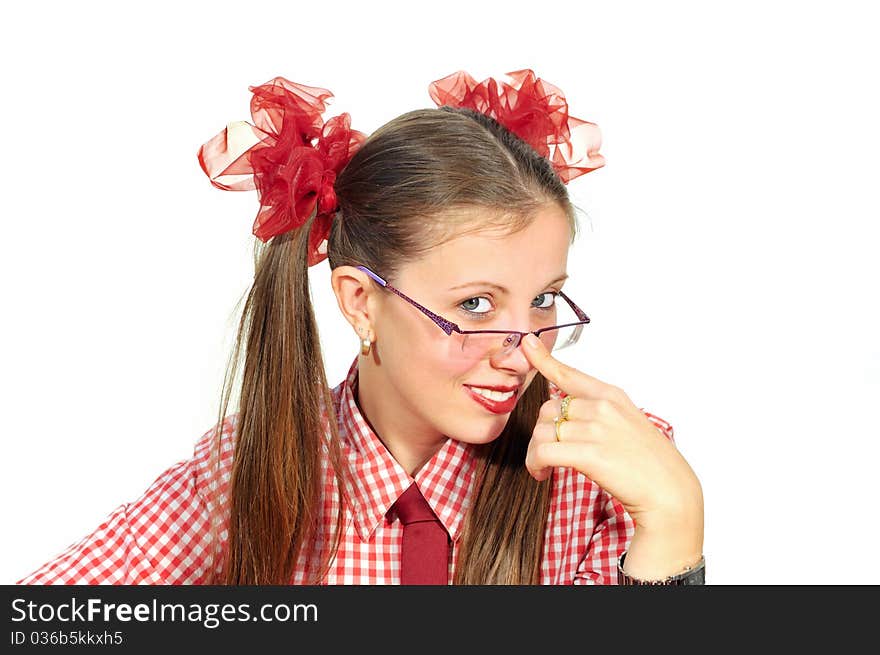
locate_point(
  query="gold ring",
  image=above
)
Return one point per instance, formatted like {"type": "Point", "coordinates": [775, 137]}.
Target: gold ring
{"type": "Point", "coordinates": [557, 421]}
{"type": "Point", "coordinates": [564, 409]}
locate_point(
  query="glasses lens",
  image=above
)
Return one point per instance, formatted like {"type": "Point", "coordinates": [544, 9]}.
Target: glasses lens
{"type": "Point", "coordinates": [487, 345]}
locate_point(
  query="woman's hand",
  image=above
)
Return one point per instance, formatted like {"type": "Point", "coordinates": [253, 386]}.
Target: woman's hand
{"type": "Point", "coordinates": [611, 441]}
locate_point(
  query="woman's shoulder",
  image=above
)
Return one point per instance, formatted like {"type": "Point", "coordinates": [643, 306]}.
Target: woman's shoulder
{"type": "Point", "coordinates": [214, 450]}
{"type": "Point", "coordinates": [161, 537]}
{"type": "Point", "coordinates": [211, 463]}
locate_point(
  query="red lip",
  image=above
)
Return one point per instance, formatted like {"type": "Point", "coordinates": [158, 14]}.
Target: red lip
{"type": "Point", "coordinates": [494, 406]}
{"type": "Point", "coordinates": [494, 387]}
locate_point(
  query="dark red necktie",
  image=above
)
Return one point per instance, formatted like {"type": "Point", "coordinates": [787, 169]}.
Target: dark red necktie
{"type": "Point", "coordinates": [424, 557]}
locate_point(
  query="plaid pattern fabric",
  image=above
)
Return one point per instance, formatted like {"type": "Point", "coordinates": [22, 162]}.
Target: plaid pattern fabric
{"type": "Point", "coordinates": [164, 536]}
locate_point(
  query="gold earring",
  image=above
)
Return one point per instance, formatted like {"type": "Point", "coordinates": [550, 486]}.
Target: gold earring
{"type": "Point", "coordinates": [366, 344]}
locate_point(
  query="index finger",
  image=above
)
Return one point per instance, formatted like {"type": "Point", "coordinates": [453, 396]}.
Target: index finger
{"type": "Point", "coordinates": [569, 379]}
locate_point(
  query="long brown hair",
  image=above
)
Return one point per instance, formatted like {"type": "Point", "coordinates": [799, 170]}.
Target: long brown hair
{"type": "Point", "coordinates": [425, 177]}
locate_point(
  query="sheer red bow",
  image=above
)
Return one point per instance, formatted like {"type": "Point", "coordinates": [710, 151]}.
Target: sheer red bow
{"type": "Point", "coordinates": [534, 110]}
{"type": "Point", "coordinates": [292, 157]}
{"type": "Point", "coordinates": [289, 155]}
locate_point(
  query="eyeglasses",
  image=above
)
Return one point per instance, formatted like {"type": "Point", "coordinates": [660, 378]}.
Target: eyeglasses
{"type": "Point", "coordinates": [489, 343]}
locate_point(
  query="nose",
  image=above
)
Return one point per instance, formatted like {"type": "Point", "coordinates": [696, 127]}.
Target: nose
{"type": "Point", "coordinates": [512, 357]}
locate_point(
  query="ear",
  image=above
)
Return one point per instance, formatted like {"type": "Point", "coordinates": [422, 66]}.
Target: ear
{"type": "Point", "coordinates": [357, 298]}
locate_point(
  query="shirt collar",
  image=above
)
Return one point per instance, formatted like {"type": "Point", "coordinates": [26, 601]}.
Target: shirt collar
{"type": "Point", "coordinates": [376, 479]}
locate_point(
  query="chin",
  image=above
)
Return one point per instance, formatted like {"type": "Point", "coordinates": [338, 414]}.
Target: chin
{"type": "Point", "coordinates": [490, 432]}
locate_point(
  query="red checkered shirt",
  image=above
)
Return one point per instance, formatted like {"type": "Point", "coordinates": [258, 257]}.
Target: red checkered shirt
{"type": "Point", "coordinates": [164, 536]}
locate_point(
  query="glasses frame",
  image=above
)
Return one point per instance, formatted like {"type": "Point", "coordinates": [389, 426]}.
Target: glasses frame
{"type": "Point", "coordinates": [449, 327]}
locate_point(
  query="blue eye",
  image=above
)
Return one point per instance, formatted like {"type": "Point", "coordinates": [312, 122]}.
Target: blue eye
{"type": "Point", "coordinates": [548, 294]}
{"type": "Point", "coordinates": [469, 307]}
{"type": "Point", "coordinates": [545, 302]}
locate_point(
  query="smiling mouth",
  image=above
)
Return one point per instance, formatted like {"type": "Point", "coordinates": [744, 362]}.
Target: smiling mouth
{"type": "Point", "coordinates": [496, 394]}
{"type": "Point", "coordinates": [505, 404]}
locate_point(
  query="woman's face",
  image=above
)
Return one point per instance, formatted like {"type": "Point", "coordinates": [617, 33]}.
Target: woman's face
{"type": "Point", "coordinates": [425, 379]}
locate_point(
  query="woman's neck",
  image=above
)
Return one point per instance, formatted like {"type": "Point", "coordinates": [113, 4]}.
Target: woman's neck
{"type": "Point", "coordinates": [411, 443]}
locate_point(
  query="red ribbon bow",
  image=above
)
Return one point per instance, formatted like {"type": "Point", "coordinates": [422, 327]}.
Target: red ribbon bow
{"type": "Point", "coordinates": [292, 157]}
{"type": "Point", "coordinates": [534, 110]}
{"type": "Point", "coordinates": [276, 156]}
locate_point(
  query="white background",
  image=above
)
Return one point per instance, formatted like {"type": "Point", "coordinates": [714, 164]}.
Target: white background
{"type": "Point", "coordinates": [728, 260]}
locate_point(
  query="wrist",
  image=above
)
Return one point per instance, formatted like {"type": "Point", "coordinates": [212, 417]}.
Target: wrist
{"type": "Point", "coordinates": [677, 525]}
{"type": "Point", "coordinates": [657, 554]}
{"type": "Point", "coordinates": [678, 509]}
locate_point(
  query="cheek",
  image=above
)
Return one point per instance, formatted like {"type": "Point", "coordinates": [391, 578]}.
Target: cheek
{"type": "Point", "coordinates": [414, 342]}
{"type": "Point", "coordinates": [439, 363]}
{"type": "Point", "coordinates": [452, 367]}
{"type": "Point", "coordinates": [433, 375]}
{"type": "Point", "coordinates": [428, 363]}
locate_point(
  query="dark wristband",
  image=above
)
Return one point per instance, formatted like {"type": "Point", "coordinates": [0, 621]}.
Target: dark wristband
{"type": "Point", "coordinates": [695, 575]}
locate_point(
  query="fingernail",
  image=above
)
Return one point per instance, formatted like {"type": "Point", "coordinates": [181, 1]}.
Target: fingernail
{"type": "Point", "coordinates": [531, 340]}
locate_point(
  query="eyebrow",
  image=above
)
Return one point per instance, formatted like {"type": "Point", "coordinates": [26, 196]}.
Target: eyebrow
{"type": "Point", "coordinates": [500, 288]}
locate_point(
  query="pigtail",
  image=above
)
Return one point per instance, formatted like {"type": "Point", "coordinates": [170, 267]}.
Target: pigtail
{"type": "Point", "coordinates": [273, 518]}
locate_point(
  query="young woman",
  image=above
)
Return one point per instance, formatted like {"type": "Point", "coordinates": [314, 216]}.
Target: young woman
{"type": "Point", "coordinates": [447, 233]}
